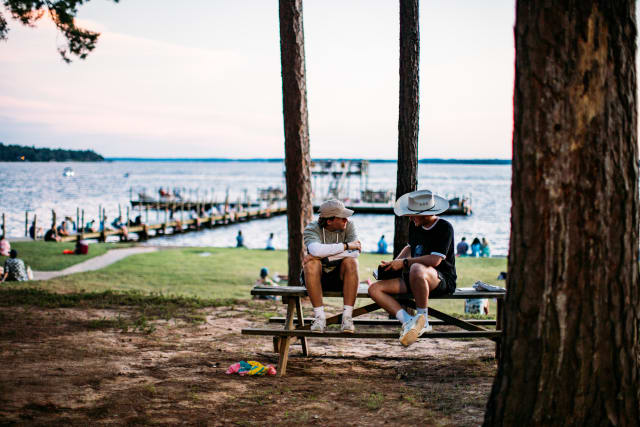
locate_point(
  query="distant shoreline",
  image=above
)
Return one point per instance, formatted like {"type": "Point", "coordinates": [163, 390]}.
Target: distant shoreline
{"type": "Point", "coordinates": [280, 160]}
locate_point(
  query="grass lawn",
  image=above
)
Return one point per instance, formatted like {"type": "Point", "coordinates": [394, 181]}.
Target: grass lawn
{"type": "Point", "coordinates": [225, 273]}
{"type": "Point", "coordinates": [48, 256]}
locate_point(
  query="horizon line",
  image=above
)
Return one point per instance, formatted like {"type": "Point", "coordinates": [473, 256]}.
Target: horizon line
{"type": "Point", "coordinates": [281, 159]}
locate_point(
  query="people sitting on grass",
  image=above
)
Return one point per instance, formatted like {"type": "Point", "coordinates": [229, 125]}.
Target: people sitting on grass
{"type": "Point", "coordinates": [265, 280]}
{"type": "Point", "coordinates": [476, 247]}
{"type": "Point", "coordinates": [239, 240]}
{"type": "Point", "coordinates": [270, 246]}
{"type": "Point", "coordinates": [52, 235]}
{"type": "Point", "coordinates": [14, 268]}
{"type": "Point", "coordinates": [34, 231]}
{"type": "Point", "coordinates": [463, 247]}
{"type": "Point", "coordinates": [5, 246]}
{"type": "Point", "coordinates": [331, 263]}
{"type": "Point", "coordinates": [485, 250]}
{"type": "Point", "coordinates": [426, 266]}
{"type": "Point", "coordinates": [382, 245]}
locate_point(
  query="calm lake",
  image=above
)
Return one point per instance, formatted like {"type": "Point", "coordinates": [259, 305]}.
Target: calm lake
{"type": "Point", "coordinates": [40, 187]}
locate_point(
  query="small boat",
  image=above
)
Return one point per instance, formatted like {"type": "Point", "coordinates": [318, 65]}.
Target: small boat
{"type": "Point", "coordinates": [68, 172]}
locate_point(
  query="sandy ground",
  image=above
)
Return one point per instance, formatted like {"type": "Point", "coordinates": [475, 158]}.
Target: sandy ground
{"type": "Point", "coordinates": [95, 263]}
{"type": "Point", "coordinates": [71, 366]}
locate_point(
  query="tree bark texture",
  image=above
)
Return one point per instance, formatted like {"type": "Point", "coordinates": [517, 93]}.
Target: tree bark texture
{"type": "Point", "coordinates": [296, 131]}
{"type": "Point", "coordinates": [408, 117]}
{"type": "Point", "coordinates": [570, 349]}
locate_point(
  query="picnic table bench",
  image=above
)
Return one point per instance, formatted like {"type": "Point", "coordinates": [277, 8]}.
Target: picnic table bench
{"type": "Point", "coordinates": [295, 324]}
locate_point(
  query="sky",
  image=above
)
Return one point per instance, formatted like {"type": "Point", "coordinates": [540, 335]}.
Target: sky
{"type": "Point", "coordinates": [202, 79]}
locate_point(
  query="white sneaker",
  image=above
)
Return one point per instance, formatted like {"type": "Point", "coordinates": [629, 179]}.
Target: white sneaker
{"type": "Point", "coordinates": [427, 328]}
{"type": "Point", "coordinates": [319, 324]}
{"type": "Point", "coordinates": [411, 329]}
{"type": "Point", "coordinates": [347, 325]}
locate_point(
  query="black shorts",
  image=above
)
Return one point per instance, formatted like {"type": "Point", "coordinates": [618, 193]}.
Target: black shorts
{"type": "Point", "coordinates": [445, 287]}
{"type": "Point", "coordinates": [330, 281]}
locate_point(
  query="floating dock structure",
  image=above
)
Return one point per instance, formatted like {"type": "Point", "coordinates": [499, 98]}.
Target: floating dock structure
{"type": "Point", "coordinates": [176, 226]}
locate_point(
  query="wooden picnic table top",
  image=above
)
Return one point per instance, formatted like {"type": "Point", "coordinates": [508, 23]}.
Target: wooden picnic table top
{"type": "Point", "coordinates": [301, 291]}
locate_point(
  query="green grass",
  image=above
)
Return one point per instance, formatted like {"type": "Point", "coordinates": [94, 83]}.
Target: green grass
{"type": "Point", "coordinates": [226, 274]}
{"type": "Point", "coordinates": [48, 256]}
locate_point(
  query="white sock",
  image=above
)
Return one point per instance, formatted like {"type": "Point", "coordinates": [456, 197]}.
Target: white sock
{"type": "Point", "coordinates": [403, 316]}
{"type": "Point", "coordinates": [348, 311]}
{"type": "Point", "coordinates": [426, 316]}
{"type": "Point", "coordinates": [318, 312]}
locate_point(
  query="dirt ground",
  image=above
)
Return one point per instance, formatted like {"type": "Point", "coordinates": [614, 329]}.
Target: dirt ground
{"type": "Point", "coordinates": [70, 366]}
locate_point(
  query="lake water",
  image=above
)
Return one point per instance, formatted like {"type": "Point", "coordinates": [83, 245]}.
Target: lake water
{"type": "Point", "coordinates": [40, 187]}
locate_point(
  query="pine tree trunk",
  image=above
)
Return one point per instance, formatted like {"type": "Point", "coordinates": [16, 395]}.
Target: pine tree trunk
{"type": "Point", "coordinates": [296, 131]}
{"type": "Point", "coordinates": [570, 349]}
{"type": "Point", "coordinates": [407, 174]}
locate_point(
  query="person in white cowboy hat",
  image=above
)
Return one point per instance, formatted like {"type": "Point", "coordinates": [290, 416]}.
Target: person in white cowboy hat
{"type": "Point", "coordinates": [331, 263]}
{"type": "Point", "coordinates": [427, 264]}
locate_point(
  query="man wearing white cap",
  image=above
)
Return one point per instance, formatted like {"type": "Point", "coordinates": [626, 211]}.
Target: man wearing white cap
{"type": "Point", "coordinates": [331, 264]}
{"type": "Point", "coordinates": [427, 264]}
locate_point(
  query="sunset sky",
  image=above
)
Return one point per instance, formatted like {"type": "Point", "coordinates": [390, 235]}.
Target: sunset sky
{"type": "Point", "coordinates": [202, 79]}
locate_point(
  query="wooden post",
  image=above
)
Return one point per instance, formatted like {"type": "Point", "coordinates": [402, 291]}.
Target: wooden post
{"type": "Point", "coordinates": [53, 218]}
{"type": "Point", "coordinates": [128, 216]}
{"type": "Point", "coordinates": [26, 223]}
{"type": "Point", "coordinates": [119, 210]}
{"type": "Point", "coordinates": [146, 209]}
{"type": "Point", "coordinates": [35, 227]}
{"type": "Point", "coordinates": [78, 228]}
{"type": "Point", "coordinates": [81, 225]}
{"type": "Point", "coordinates": [99, 214]}
{"type": "Point", "coordinates": [4, 227]}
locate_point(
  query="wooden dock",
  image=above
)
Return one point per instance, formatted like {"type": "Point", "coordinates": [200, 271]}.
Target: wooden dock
{"type": "Point", "coordinates": [176, 226]}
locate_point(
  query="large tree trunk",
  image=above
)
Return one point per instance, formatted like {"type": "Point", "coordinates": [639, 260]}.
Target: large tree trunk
{"type": "Point", "coordinates": [570, 349]}
{"type": "Point", "coordinates": [408, 120]}
{"type": "Point", "coordinates": [296, 131]}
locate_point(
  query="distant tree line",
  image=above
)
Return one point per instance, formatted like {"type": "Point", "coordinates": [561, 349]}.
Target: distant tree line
{"type": "Point", "coordinates": [18, 153]}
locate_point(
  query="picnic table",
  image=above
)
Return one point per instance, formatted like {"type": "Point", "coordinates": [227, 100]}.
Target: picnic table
{"type": "Point", "coordinates": [295, 325]}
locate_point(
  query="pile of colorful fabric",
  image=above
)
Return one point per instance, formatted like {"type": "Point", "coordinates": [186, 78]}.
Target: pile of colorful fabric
{"type": "Point", "coordinates": [251, 368]}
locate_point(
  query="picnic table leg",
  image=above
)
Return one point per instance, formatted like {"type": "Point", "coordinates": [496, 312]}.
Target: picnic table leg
{"type": "Point", "coordinates": [499, 314]}
{"type": "Point", "coordinates": [285, 342]}
{"type": "Point", "coordinates": [303, 340]}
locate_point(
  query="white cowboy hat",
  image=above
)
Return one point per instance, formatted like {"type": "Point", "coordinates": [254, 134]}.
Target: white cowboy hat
{"type": "Point", "coordinates": [420, 202]}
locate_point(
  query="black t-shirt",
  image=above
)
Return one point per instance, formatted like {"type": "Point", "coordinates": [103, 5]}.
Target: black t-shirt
{"type": "Point", "coordinates": [437, 240]}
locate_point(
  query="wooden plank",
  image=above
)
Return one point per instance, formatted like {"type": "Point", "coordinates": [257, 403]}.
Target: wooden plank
{"type": "Point", "coordinates": [454, 320]}
{"type": "Point", "coordinates": [301, 291]}
{"type": "Point", "coordinates": [379, 335]}
{"type": "Point", "coordinates": [285, 342]}
{"type": "Point", "coordinates": [300, 321]}
{"type": "Point", "coordinates": [389, 322]}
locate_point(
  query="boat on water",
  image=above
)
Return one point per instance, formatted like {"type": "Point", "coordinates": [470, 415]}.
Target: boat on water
{"type": "Point", "coordinates": [68, 172]}
{"type": "Point", "coordinates": [371, 201]}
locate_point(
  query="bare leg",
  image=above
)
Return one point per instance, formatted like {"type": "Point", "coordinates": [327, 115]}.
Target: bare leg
{"type": "Point", "coordinates": [423, 280]}
{"type": "Point", "coordinates": [381, 293]}
{"type": "Point", "coordinates": [312, 273]}
{"type": "Point", "coordinates": [350, 279]}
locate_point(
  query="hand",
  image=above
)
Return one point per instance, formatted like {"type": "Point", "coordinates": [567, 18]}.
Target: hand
{"type": "Point", "coordinates": [307, 258]}
{"type": "Point", "coordinates": [355, 246]}
{"type": "Point", "coordinates": [394, 265]}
